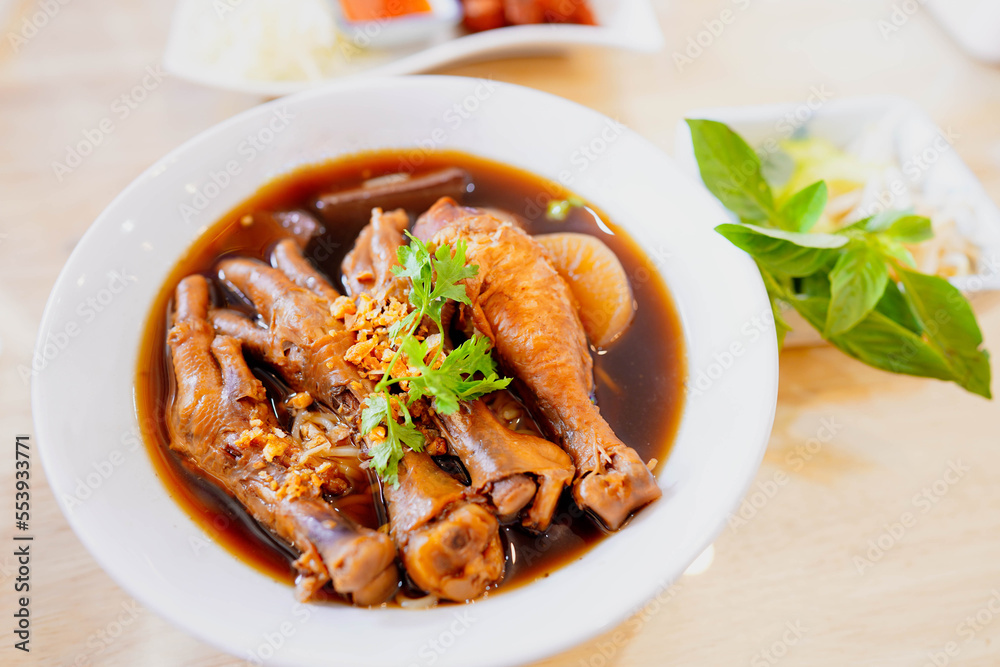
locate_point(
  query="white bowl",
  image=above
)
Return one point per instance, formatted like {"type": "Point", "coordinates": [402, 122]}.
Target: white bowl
{"type": "Point", "coordinates": [909, 135]}
{"type": "Point", "coordinates": [85, 419]}
{"type": "Point", "coordinates": [622, 24]}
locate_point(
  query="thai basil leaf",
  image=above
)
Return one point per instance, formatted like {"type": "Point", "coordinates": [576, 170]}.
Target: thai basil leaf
{"type": "Point", "coordinates": [857, 283]}
{"type": "Point", "coordinates": [896, 251]}
{"type": "Point", "coordinates": [894, 306]}
{"type": "Point", "coordinates": [910, 229]}
{"type": "Point", "coordinates": [817, 284]}
{"type": "Point", "coordinates": [731, 171]}
{"type": "Point", "coordinates": [840, 283]}
{"type": "Point", "coordinates": [903, 228]}
{"type": "Point", "coordinates": [781, 326]}
{"type": "Point", "coordinates": [950, 324]}
{"type": "Point", "coordinates": [805, 207]}
{"type": "Point", "coordinates": [777, 168]}
{"type": "Point", "coordinates": [882, 221]}
{"type": "Point", "coordinates": [879, 342]}
{"type": "Point", "coordinates": [786, 253]}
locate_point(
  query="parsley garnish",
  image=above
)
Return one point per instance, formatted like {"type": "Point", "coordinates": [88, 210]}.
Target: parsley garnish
{"type": "Point", "coordinates": [453, 380]}
{"type": "Point", "coordinates": [447, 378]}
{"type": "Point", "coordinates": [387, 454]}
{"type": "Point", "coordinates": [436, 280]}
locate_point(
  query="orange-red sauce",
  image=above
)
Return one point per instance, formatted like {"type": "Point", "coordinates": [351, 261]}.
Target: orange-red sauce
{"type": "Point", "coordinates": [376, 10]}
{"type": "Point", "coordinates": [639, 377]}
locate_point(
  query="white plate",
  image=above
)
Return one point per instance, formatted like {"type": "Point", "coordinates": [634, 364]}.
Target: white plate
{"type": "Point", "coordinates": [974, 24]}
{"type": "Point", "coordinates": [85, 419]}
{"type": "Point", "coordinates": [624, 24]}
{"type": "Point", "coordinates": [912, 137]}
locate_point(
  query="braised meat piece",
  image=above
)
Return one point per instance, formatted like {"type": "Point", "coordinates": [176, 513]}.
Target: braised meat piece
{"type": "Point", "coordinates": [527, 309]}
{"type": "Point", "coordinates": [449, 543]}
{"type": "Point", "coordinates": [484, 15]}
{"type": "Point", "coordinates": [489, 14]}
{"type": "Point", "coordinates": [514, 470]}
{"type": "Point", "coordinates": [450, 546]}
{"type": "Point", "coordinates": [402, 190]}
{"type": "Point", "coordinates": [221, 421]}
{"type": "Point", "coordinates": [367, 268]}
{"type": "Point", "coordinates": [567, 11]}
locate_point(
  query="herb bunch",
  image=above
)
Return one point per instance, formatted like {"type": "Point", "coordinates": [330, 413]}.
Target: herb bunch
{"type": "Point", "coordinates": [857, 286]}
{"type": "Point", "coordinates": [448, 378]}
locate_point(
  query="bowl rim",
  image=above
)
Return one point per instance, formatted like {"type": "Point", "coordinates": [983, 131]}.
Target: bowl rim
{"type": "Point", "coordinates": [767, 384]}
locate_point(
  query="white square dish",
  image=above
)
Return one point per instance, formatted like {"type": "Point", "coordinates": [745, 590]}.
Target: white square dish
{"type": "Point", "coordinates": [974, 24]}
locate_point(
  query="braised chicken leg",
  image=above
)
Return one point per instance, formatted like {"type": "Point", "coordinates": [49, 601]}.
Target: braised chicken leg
{"type": "Point", "coordinates": [527, 309]}
{"type": "Point", "coordinates": [448, 540]}
{"type": "Point", "coordinates": [514, 470]}
{"type": "Point", "coordinates": [221, 421]}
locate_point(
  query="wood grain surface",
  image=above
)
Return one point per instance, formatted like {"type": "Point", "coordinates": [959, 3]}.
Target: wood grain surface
{"type": "Point", "coordinates": [853, 449]}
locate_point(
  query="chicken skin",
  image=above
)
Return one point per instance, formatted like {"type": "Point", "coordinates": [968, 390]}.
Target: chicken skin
{"type": "Point", "coordinates": [218, 402]}
{"type": "Point", "coordinates": [528, 311]}
{"type": "Point", "coordinates": [516, 471]}
{"type": "Point", "coordinates": [448, 540]}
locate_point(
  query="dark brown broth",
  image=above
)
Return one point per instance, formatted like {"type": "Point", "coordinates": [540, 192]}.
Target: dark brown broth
{"type": "Point", "coordinates": [639, 377]}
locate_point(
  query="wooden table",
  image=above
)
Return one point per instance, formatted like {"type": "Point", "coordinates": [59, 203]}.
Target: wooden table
{"type": "Point", "coordinates": [819, 575]}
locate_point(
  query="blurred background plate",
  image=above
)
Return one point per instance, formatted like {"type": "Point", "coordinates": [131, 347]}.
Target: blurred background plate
{"type": "Point", "coordinates": [244, 46]}
{"type": "Point", "coordinates": [974, 24]}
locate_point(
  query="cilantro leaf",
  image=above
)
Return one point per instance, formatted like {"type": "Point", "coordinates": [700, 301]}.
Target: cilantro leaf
{"type": "Point", "coordinates": [473, 356]}
{"type": "Point", "coordinates": [415, 264]}
{"type": "Point", "coordinates": [449, 270]}
{"type": "Point", "coordinates": [387, 453]}
{"type": "Point", "coordinates": [465, 373]}
{"type": "Point", "coordinates": [405, 324]}
{"type": "Point", "coordinates": [454, 380]}
{"type": "Point", "coordinates": [436, 277]}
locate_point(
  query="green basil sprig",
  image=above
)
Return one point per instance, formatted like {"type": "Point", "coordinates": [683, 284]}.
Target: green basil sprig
{"type": "Point", "coordinates": [857, 286]}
